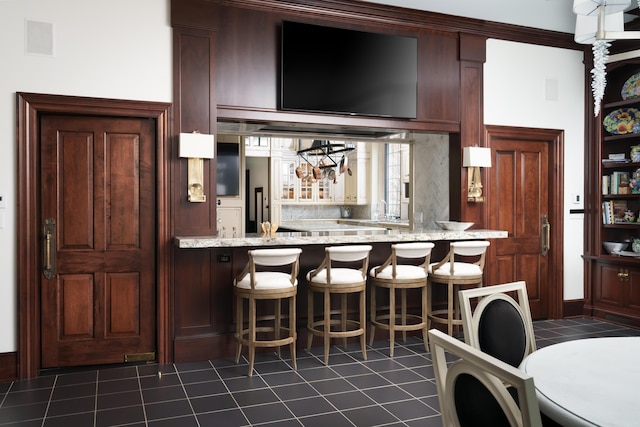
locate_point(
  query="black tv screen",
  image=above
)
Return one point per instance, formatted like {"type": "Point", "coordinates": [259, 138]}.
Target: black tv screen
{"type": "Point", "coordinates": [335, 70]}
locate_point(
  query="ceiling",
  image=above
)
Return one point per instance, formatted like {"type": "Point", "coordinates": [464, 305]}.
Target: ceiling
{"type": "Point", "coordinates": [555, 15]}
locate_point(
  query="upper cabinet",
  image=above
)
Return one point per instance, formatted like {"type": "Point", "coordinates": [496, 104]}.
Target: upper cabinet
{"type": "Point", "coordinates": [357, 179]}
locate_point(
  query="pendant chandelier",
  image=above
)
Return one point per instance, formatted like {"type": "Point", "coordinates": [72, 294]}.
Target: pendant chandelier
{"type": "Point", "coordinates": [599, 22]}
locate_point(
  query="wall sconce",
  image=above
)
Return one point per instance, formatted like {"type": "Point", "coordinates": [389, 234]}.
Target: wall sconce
{"type": "Point", "coordinates": [475, 158]}
{"type": "Point", "coordinates": [196, 147]}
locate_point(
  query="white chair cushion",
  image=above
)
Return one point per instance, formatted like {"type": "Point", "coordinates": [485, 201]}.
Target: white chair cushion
{"type": "Point", "coordinates": [267, 280]}
{"type": "Point", "coordinates": [459, 269]}
{"type": "Point", "coordinates": [339, 276]}
{"type": "Point", "coordinates": [403, 272]}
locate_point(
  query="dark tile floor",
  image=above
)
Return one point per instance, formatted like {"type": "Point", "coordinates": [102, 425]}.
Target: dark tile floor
{"type": "Point", "coordinates": [380, 391]}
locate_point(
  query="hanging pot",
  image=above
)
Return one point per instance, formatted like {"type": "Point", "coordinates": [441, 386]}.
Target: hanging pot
{"type": "Point", "coordinates": [343, 164]}
{"type": "Point", "coordinates": [317, 173]}
{"type": "Point", "coordinates": [299, 172]}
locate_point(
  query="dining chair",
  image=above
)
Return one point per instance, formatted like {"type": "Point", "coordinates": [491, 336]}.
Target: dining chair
{"type": "Point", "coordinates": [477, 389]}
{"type": "Point", "coordinates": [496, 323]}
{"type": "Point", "coordinates": [261, 280]}
{"type": "Point", "coordinates": [396, 273]}
{"type": "Point", "coordinates": [463, 266]}
{"type": "Point", "coordinates": [343, 271]}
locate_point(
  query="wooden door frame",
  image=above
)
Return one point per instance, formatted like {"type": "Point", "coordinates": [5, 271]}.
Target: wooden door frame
{"type": "Point", "coordinates": [555, 139]}
{"type": "Point", "coordinates": [29, 108]}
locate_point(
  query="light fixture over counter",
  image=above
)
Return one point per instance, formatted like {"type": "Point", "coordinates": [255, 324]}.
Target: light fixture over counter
{"type": "Point", "coordinates": [325, 159]}
{"type": "Point", "coordinates": [196, 147]}
{"type": "Point", "coordinates": [475, 158]}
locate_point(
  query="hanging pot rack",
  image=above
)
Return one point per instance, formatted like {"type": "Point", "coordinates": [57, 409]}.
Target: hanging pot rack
{"type": "Point", "coordinates": [324, 155]}
{"type": "Point", "coordinates": [324, 150]}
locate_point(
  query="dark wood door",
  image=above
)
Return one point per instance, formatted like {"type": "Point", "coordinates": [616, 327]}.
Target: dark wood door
{"type": "Point", "coordinates": [519, 182]}
{"type": "Point", "coordinates": [98, 197]}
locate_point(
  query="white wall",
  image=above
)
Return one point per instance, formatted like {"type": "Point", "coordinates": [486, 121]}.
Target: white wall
{"type": "Point", "coordinates": [108, 49]}
{"type": "Point", "coordinates": [122, 49]}
{"type": "Point", "coordinates": [543, 87]}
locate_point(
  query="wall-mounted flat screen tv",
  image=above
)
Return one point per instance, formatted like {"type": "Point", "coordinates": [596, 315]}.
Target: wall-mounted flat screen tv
{"type": "Point", "coordinates": [336, 70]}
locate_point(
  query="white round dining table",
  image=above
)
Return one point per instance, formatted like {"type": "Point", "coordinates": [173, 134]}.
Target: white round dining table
{"type": "Point", "coordinates": [588, 382]}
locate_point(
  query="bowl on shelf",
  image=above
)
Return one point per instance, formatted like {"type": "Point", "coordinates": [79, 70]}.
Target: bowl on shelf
{"type": "Point", "coordinates": [454, 225]}
{"type": "Point", "coordinates": [613, 247]}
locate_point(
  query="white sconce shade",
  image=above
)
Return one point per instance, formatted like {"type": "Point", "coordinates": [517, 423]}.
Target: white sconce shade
{"type": "Point", "coordinates": [476, 156]}
{"type": "Point", "coordinates": [196, 145]}
{"type": "Point", "coordinates": [590, 7]}
{"type": "Point", "coordinates": [587, 26]}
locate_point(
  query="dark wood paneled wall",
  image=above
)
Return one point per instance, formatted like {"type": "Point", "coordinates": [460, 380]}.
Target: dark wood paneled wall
{"type": "Point", "coordinates": [226, 56]}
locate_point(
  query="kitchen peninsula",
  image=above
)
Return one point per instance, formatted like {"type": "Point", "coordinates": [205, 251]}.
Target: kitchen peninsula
{"type": "Point", "coordinates": [367, 235]}
{"type": "Point", "coordinates": [206, 312]}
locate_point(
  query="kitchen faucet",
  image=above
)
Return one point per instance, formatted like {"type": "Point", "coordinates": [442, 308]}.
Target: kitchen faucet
{"type": "Point", "coordinates": [384, 210]}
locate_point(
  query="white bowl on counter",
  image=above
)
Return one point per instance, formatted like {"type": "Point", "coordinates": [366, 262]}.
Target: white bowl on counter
{"type": "Point", "coordinates": [454, 225]}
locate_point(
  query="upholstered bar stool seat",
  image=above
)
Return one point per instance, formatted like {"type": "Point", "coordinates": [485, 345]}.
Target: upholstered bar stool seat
{"type": "Point", "coordinates": [394, 276]}
{"type": "Point", "coordinates": [338, 275]}
{"type": "Point", "coordinates": [252, 285]}
{"type": "Point", "coordinates": [455, 271]}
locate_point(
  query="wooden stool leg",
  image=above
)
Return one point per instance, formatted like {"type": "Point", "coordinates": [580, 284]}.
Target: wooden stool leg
{"type": "Point", "coordinates": [403, 314]}
{"type": "Point", "coordinates": [450, 308]}
{"type": "Point", "coordinates": [363, 322]}
{"type": "Point", "coordinates": [392, 319]}
{"type": "Point", "coordinates": [252, 333]}
{"type": "Point", "coordinates": [425, 318]}
{"type": "Point", "coordinates": [278, 319]}
{"type": "Point", "coordinates": [239, 326]}
{"type": "Point", "coordinates": [429, 303]}
{"type": "Point", "coordinates": [343, 318]}
{"type": "Point", "coordinates": [309, 319]}
{"type": "Point", "coordinates": [327, 325]}
{"type": "Point", "coordinates": [292, 329]}
{"type": "Point", "coordinates": [373, 314]}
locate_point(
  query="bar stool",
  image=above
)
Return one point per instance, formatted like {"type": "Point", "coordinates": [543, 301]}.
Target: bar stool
{"type": "Point", "coordinates": [333, 276]}
{"type": "Point", "coordinates": [275, 285]}
{"type": "Point", "coordinates": [454, 272]}
{"type": "Point", "coordinates": [392, 276]}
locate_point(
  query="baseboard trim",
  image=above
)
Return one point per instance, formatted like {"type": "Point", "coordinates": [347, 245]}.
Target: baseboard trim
{"type": "Point", "coordinates": [573, 308]}
{"type": "Point", "coordinates": [8, 367]}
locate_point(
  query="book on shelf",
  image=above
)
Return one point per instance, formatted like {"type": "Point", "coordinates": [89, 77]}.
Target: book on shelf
{"type": "Point", "coordinates": [617, 180]}
{"type": "Point", "coordinates": [618, 208]}
{"type": "Point", "coordinates": [613, 212]}
{"type": "Point", "coordinates": [606, 184]}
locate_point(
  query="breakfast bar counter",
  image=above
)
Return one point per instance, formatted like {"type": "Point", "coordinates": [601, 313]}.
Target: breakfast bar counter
{"type": "Point", "coordinates": [203, 283]}
{"type": "Point", "coordinates": [334, 237]}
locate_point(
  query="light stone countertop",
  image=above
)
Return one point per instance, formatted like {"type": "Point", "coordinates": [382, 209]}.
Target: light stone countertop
{"type": "Point", "coordinates": [353, 236]}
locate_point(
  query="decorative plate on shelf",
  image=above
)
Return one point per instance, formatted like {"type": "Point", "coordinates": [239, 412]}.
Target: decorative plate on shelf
{"type": "Point", "coordinates": [621, 121]}
{"type": "Point", "coordinates": [631, 88]}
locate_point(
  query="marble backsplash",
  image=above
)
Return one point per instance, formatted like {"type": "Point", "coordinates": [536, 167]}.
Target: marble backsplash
{"type": "Point", "coordinates": [302, 211]}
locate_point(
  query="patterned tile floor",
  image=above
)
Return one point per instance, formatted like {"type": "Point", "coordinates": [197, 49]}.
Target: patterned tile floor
{"type": "Point", "coordinates": [380, 391]}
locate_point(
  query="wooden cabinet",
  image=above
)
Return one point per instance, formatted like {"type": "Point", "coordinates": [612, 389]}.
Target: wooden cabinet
{"type": "Point", "coordinates": [617, 289]}
{"type": "Point", "coordinates": [613, 280]}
